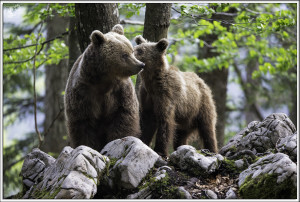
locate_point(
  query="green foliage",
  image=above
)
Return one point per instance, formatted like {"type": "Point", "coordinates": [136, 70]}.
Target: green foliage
{"type": "Point", "coordinates": [251, 31]}
{"type": "Point", "coordinates": [131, 8]}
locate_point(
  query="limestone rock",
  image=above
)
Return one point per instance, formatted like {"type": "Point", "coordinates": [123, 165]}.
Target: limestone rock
{"type": "Point", "coordinates": [259, 137]}
{"type": "Point", "coordinates": [210, 194]}
{"type": "Point", "coordinates": [186, 157]}
{"type": "Point", "coordinates": [74, 174]}
{"type": "Point", "coordinates": [35, 163]}
{"type": "Point", "coordinates": [133, 160]}
{"type": "Point", "coordinates": [271, 177]}
{"type": "Point", "coordinates": [182, 193]}
{"type": "Point", "coordinates": [230, 194]}
{"type": "Point", "coordinates": [288, 145]}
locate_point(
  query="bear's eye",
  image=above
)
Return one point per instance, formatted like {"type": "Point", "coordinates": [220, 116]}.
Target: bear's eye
{"type": "Point", "coordinates": [139, 51]}
{"type": "Point", "coordinates": [125, 55]}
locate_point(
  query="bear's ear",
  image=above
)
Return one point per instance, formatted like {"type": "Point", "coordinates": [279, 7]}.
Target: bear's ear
{"type": "Point", "coordinates": [97, 37]}
{"type": "Point", "coordinates": [118, 29]}
{"type": "Point", "coordinates": [162, 44]}
{"type": "Point", "coordinates": [139, 39]}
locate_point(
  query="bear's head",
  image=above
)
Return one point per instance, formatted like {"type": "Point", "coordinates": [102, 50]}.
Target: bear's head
{"type": "Point", "coordinates": [152, 54]}
{"type": "Point", "coordinates": [115, 52]}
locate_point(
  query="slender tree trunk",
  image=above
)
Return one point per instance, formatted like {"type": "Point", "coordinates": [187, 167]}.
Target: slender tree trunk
{"type": "Point", "coordinates": [56, 77]}
{"type": "Point", "coordinates": [252, 112]}
{"type": "Point", "coordinates": [217, 81]}
{"type": "Point", "coordinates": [293, 107]}
{"type": "Point", "coordinates": [90, 17]}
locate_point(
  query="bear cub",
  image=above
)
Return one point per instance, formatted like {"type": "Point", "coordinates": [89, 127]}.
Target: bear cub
{"type": "Point", "coordinates": [171, 101]}
{"type": "Point", "coordinates": [100, 101]}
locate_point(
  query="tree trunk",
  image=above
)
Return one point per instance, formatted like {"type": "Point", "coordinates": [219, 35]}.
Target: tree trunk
{"type": "Point", "coordinates": [218, 78]}
{"type": "Point", "coordinates": [217, 81]}
{"type": "Point", "coordinates": [90, 17]}
{"type": "Point", "coordinates": [74, 49]}
{"type": "Point", "coordinates": [56, 77]}
{"type": "Point", "coordinates": [293, 107]}
{"type": "Point", "coordinates": [251, 109]}
{"type": "Point", "coordinates": [157, 21]}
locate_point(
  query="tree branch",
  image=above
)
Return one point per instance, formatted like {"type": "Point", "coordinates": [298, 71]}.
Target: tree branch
{"type": "Point", "coordinates": [131, 22]}
{"type": "Point", "coordinates": [53, 121]}
{"type": "Point", "coordinates": [34, 79]}
{"type": "Point", "coordinates": [43, 43]}
{"type": "Point", "coordinates": [14, 163]}
{"type": "Point", "coordinates": [194, 17]}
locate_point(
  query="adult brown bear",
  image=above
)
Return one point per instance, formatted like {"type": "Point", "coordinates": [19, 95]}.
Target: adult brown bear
{"type": "Point", "coordinates": [100, 101]}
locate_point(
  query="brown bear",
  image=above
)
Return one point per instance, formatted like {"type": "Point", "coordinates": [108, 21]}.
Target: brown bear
{"type": "Point", "coordinates": [100, 100]}
{"type": "Point", "coordinates": [171, 101]}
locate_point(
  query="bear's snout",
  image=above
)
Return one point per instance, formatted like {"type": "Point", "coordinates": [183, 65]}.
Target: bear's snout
{"type": "Point", "coordinates": [142, 65]}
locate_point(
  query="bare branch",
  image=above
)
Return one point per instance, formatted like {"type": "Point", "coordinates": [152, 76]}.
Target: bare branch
{"type": "Point", "coordinates": [34, 80]}
{"type": "Point", "coordinates": [131, 22]}
{"type": "Point", "coordinates": [53, 121]}
{"type": "Point", "coordinates": [14, 163]}
{"type": "Point", "coordinates": [194, 17]}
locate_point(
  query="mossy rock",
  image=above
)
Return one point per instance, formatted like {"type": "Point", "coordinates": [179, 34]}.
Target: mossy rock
{"type": "Point", "coordinates": [266, 187]}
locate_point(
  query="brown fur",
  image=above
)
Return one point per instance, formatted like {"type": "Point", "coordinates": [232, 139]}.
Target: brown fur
{"type": "Point", "coordinates": [100, 102]}
{"type": "Point", "coordinates": [171, 101]}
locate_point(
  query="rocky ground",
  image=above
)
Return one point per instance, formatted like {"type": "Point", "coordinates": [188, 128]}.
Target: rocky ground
{"type": "Point", "coordinates": [260, 162]}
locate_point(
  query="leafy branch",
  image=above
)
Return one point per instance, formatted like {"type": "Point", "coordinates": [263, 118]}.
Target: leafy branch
{"type": "Point", "coordinates": [42, 44]}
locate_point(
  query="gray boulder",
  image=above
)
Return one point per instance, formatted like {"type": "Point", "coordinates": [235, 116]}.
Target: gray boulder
{"type": "Point", "coordinates": [132, 161]}
{"type": "Point", "coordinates": [211, 194]}
{"type": "Point", "coordinates": [35, 163]}
{"type": "Point", "coordinates": [75, 174]}
{"type": "Point", "coordinates": [182, 193]}
{"type": "Point", "coordinates": [230, 194]}
{"type": "Point", "coordinates": [271, 177]}
{"type": "Point", "coordinates": [188, 158]}
{"type": "Point", "coordinates": [288, 145]}
{"type": "Point", "coordinates": [259, 137]}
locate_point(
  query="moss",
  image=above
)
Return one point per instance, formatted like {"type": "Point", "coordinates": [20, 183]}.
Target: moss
{"type": "Point", "coordinates": [162, 188]}
{"type": "Point", "coordinates": [206, 153]}
{"type": "Point", "coordinates": [61, 177]}
{"type": "Point", "coordinates": [233, 149]}
{"type": "Point", "coordinates": [147, 179]}
{"type": "Point", "coordinates": [90, 177]}
{"type": "Point", "coordinates": [230, 164]}
{"type": "Point", "coordinates": [266, 187]}
{"type": "Point", "coordinates": [110, 165]}
{"type": "Point", "coordinates": [46, 194]}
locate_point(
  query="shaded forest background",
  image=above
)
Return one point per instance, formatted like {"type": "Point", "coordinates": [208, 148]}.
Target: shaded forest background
{"type": "Point", "coordinates": [247, 53]}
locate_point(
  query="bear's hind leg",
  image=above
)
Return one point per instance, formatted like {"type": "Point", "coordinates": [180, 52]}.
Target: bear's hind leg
{"type": "Point", "coordinates": [180, 138]}
{"type": "Point", "coordinates": [148, 126]}
{"type": "Point", "coordinates": [207, 127]}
